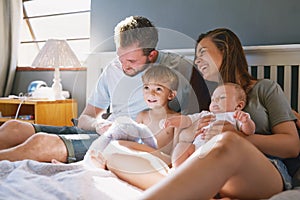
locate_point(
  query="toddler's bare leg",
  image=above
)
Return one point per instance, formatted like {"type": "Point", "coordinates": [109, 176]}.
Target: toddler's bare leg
{"type": "Point", "coordinates": [181, 152]}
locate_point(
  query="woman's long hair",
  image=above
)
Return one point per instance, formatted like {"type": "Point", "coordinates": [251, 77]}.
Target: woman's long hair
{"type": "Point", "coordinates": [234, 67]}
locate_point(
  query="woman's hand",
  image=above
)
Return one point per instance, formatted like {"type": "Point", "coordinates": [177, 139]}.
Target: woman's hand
{"type": "Point", "coordinates": [298, 118]}
{"type": "Point", "coordinates": [204, 122]}
{"type": "Point", "coordinates": [216, 128]}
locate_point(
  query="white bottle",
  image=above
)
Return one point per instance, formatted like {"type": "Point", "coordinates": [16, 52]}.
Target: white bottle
{"type": "Point", "coordinates": [56, 86]}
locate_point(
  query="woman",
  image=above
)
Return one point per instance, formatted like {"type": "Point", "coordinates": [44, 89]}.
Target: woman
{"type": "Point", "coordinates": [236, 166]}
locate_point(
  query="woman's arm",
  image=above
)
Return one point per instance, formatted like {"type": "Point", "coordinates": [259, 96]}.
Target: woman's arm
{"type": "Point", "coordinates": [284, 142]}
{"type": "Point", "coordinates": [276, 132]}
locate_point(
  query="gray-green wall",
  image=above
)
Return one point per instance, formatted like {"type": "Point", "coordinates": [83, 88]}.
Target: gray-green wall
{"type": "Point", "coordinates": [256, 22]}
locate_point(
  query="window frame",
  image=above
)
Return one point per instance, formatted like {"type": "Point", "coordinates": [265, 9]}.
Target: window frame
{"type": "Point", "coordinates": [40, 42]}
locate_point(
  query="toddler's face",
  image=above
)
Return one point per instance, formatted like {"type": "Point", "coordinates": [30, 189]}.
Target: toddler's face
{"type": "Point", "coordinates": [156, 95]}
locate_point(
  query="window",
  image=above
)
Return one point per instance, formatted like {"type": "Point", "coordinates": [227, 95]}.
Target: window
{"type": "Point", "coordinates": [54, 19]}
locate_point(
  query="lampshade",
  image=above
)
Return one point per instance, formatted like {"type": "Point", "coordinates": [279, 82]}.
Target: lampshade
{"type": "Point", "coordinates": [56, 53]}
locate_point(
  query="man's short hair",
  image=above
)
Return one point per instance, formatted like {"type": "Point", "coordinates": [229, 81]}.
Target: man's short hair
{"type": "Point", "coordinates": [136, 30]}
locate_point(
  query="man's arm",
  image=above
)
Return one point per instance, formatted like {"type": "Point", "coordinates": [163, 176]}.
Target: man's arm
{"type": "Point", "coordinates": [90, 117]}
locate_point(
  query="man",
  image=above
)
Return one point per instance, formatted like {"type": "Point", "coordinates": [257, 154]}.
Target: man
{"type": "Point", "coordinates": [119, 86]}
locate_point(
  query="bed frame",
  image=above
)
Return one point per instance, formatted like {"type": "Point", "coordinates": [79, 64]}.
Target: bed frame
{"type": "Point", "coordinates": [276, 62]}
{"type": "Point", "coordinates": [279, 63]}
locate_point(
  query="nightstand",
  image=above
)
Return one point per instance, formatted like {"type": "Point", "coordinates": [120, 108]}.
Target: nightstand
{"type": "Point", "coordinates": [56, 113]}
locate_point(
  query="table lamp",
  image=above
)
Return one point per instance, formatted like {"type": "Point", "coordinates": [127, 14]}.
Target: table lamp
{"type": "Point", "coordinates": [56, 53]}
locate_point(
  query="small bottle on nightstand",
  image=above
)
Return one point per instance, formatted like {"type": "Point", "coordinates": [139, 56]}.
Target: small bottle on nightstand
{"type": "Point", "coordinates": [56, 86]}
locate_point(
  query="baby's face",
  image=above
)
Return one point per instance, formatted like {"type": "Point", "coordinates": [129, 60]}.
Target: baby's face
{"type": "Point", "coordinates": [156, 95]}
{"type": "Point", "coordinates": [224, 99]}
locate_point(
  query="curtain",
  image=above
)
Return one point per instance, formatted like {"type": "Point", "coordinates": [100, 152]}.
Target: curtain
{"type": "Point", "coordinates": [10, 22]}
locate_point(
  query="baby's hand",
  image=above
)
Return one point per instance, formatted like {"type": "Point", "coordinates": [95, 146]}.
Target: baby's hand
{"type": "Point", "coordinates": [241, 116]}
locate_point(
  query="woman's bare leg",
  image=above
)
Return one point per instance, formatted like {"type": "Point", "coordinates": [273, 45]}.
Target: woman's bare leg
{"type": "Point", "coordinates": [14, 132]}
{"type": "Point", "coordinates": [135, 170]}
{"type": "Point", "coordinates": [40, 147]}
{"type": "Point", "coordinates": [233, 167]}
{"type": "Point", "coordinates": [141, 169]}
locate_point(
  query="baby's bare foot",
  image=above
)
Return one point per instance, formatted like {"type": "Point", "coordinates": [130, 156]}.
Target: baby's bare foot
{"type": "Point", "coordinates": [54, 161]}
{"type": "Point", "coordinates": [97, 159]}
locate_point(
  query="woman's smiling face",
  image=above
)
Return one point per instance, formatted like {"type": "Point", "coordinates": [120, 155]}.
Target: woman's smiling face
{"type": "Point", "coordinates": [208, 59]}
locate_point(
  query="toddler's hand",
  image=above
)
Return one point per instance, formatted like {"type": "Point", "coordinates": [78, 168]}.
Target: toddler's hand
{"type": "Point", "coordinates": [174, 121]}
{"type": "Point", "coordinates": [102, 126]}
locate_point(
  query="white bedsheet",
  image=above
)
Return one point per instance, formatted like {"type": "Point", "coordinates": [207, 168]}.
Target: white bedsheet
{"type": "Point", "coordinates": [31, 180]}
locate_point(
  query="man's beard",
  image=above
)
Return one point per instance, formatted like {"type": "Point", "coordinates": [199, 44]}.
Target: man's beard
{"type": "Point", "coordinates": [138, 71]}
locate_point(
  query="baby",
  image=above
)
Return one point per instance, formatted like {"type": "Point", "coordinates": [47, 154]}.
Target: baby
{"type": "Point", "coordinates": [227, 102]}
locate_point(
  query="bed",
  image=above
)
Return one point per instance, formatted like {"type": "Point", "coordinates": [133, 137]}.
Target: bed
{"type": "Point", "coordinates": [29, 179]}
